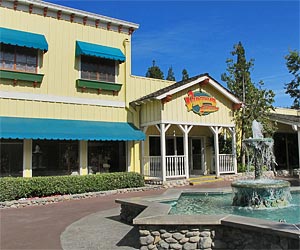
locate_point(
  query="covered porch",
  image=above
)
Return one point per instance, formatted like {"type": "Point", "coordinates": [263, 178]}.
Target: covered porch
{"type": "Point", "coordinates": [182, 150]}
{"type": "Point", "coordinates": [184, 124]}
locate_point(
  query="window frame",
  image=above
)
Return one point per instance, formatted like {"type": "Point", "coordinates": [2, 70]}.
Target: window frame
{"type": "Point", "coordinates": [101, 62]}
{"type": "Point", "coordinates": [16, 51]}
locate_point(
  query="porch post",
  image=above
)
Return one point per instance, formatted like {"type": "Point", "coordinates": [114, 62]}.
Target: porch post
{"type": "Point", "coordinates": [27, 158]}
{"type": "Point", "coordinates": [143, 152]}
{"type": "Point", "coordinates": [83, 157]}
{"type": "Point", "coordinates": [185, 130]}
{"type": "Point", "coordinates": [215, 131]}
{"type": "Point", "coordinates": [233, 134]}
{"type": "Point", "coordinates": [163, 150]}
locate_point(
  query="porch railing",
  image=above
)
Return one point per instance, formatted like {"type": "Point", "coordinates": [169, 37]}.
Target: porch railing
{"type": "Point", "coordinates": [226, 163]}
{"type": "Point", "coordinates": [152, 166]}
{"type": "Point", "coordinates": [175, 167]}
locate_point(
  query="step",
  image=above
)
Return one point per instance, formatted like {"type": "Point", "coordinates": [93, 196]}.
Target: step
{"type": "Point", "coordinates": [204, 179]}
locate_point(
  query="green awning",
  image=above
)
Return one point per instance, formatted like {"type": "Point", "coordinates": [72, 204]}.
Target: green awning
{"type": "Point", "coordinates": [23, 39]}
{"type": "Point", "coordinates": [59, 129]}
{"type": "Point", "coordinates": [90, 49]}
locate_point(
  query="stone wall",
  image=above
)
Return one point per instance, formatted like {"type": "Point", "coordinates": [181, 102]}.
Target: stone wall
{"type": "Point", "coordinates": [209, 238]}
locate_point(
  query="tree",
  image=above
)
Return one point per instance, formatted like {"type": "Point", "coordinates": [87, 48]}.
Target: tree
{"type": "Point", "coordinates": [154, 72]}
{"type": "Point", "coordinates": [170, 75]}
{"type": "Point", "coordinates": [293, 88]}
{"type": "Point", "coordinates": [257, 101]}
{"type": "Point", "coordinates": [185, 75]}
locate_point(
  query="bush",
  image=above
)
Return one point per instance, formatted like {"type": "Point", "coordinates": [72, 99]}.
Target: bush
{"type": "Point", "coordinates": [15, 188]}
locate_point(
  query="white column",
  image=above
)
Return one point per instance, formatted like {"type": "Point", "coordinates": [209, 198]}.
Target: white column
{"type": "Point", "coordinates": [163, 128]}
{"type": "Point", "coordinates": [233, 136]}
{"type": "Point", "coordinates": [185, 130]}
{"type": "Point", "coordinates": [27, 158]}
{"type": "Point", "coordinates": [143, 152]}
{"type": "Point", "coordinates": [215, 131]}
{"type": "Point", "coordinates": [83, 157]}
{"type": "Point", "coordinates": [163, 150]}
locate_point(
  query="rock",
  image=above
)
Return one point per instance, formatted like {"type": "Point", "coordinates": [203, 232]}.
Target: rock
{"type": "Point", "coordinates": [146, 240]}
{"type": "Point", "coordinates": [170, 240]}
{"type": "Point", "coordinates": [155, 233]}
{"type": "Point", "coordinates": [189, 246]}
{"type": "Point", "coordinates": [177, 236]}
{"type": "Point", "coordinates": [194, 239]}
{"type": "Point", "coordinates": [175, 246]}
{"type": "Point", "coordinates": [144, 232]}
{"type": "Point", "coordinates": [205, 243]}
{"type": "Point", "coordinates": [184, 240]}
{"type": "Point", "coordinates": [205, 234]}
{"type": "Point", "coordinates": [191, 234]}
{"type": "Point", "coordinates": [163, 245]}
{"type": "Point", "coordinates": [166, 235]}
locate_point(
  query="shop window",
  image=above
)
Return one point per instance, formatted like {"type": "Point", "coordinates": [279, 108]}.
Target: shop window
{"type": "Point", "coordinates": [54, 157]}
{"type": "Point", "coordinates": [108, 156]}
{"type": "Point", "coordinates": [11, 157]}
{"type": "Point", "coordinates": [98, 69]}
{"type": "Point", "coordinates": [17, 58]}
{"type": "Point", "coordinates": [154, 146]}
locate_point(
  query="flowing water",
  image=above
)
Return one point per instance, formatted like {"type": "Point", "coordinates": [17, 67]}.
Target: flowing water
{"type": "Point", "coordinates": [215, 204]}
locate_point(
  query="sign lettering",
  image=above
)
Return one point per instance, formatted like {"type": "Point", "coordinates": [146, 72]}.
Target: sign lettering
{"type": "Point", "coordinates": [200, 103]}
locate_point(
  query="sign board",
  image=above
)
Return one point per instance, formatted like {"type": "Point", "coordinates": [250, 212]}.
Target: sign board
{"type": "Point", "coordinates": [200, 103]}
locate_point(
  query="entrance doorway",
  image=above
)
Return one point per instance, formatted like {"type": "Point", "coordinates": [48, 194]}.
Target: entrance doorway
{"type": "Point", "coordinates": [197, 154]}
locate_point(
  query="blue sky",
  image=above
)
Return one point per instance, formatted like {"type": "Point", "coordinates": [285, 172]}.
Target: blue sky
{"type": "Point", "coordinates": [199, 36]}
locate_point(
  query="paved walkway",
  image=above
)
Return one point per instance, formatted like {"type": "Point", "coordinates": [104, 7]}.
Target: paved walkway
{"type": "Point", "coordinates": [78, 224]}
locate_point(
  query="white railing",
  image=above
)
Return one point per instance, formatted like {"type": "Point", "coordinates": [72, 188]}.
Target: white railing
{"type": "Point", "coordinates": [175, 166]}
{"type": "Point", "coordinates": [152, 166]}
{"type": "Point", "coordinates": [226, 163]}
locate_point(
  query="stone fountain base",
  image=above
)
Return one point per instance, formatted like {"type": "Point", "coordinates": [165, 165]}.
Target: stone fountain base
{"type": "Point", "coordinates": [261, 193]}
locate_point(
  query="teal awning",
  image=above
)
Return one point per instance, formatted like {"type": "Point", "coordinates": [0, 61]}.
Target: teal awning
{"type": "Point", "coordinates": [23, 39]}
{"type": "Point", "coordinates": [55, 129]}
{"type": "Point", "coordinates": [90, 49]}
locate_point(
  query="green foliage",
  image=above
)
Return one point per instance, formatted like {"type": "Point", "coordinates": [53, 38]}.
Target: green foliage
{"type": "Point", "coordinates": [15, 188]}
{"type": "Point", "coordinates": [185, 75]}
{"type": "Point", "coordinates": [170, 76]}
{"type": "Point", "coordinates": [293, 88]}
{"type": "Point", "coordinates": [258, 102]}
{"type": "Point", "coordinates": [155, 72]}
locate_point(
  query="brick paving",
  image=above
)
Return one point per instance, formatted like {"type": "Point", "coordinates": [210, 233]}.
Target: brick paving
{"type": "Point", "coordinates": [40, 227]}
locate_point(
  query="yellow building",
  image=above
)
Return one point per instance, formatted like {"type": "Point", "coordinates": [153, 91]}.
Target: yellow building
{"type": "Point", "coordinates": [69, 104]}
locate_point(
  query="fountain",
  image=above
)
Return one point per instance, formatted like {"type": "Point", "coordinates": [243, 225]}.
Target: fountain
{"type": "Point", "coordinates": [260, 193]}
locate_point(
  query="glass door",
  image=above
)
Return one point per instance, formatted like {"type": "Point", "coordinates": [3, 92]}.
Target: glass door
{"type": "Point", "coordinates": [197, 156]}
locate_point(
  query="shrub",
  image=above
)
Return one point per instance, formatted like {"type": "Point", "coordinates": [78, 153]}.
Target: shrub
{"type": "Point", "coordinates": [15, 188]}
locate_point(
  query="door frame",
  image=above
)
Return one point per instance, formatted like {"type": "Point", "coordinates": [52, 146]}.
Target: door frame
{"type": "Point", "coordinates": [203, 170]}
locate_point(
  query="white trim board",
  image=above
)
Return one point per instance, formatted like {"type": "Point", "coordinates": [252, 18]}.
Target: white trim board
{"type": "Point", "coordinates": [60, 99]}
{"type": "Point", "coordinates": [187, 123]}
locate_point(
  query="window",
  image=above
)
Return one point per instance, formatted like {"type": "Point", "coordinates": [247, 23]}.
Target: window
{"type": "Point", "coordinates": [98, 69]}
{"type": "Point", "coordinates": [17, 58]}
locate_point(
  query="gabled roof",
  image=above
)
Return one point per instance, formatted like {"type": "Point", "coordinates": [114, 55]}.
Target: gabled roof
{"type": "Point", "coordinates": [184, 84]}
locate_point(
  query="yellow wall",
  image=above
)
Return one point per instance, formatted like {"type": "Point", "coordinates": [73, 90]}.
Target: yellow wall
{"type": "Point", "coordinates": [140, 86]}
{"type": "Point", "coordinates": [176, 110]}
{"type": "Point", "coordinates": [60, 67]}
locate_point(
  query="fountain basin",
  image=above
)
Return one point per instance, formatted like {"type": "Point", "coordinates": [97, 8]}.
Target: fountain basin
{"type": "Point", "coordinates": [261, 193]}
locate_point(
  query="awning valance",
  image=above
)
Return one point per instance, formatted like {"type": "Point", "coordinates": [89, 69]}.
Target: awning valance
{"type": "Point", "coordinates": [23, 39]}
{"type": "Point", "coordinates": [55, 129]}
{"type": "Point", "coordinates": [90, 49]}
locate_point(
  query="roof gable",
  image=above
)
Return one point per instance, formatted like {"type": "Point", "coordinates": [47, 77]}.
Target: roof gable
{"type": "Point", "coordinates": [202, 80]}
